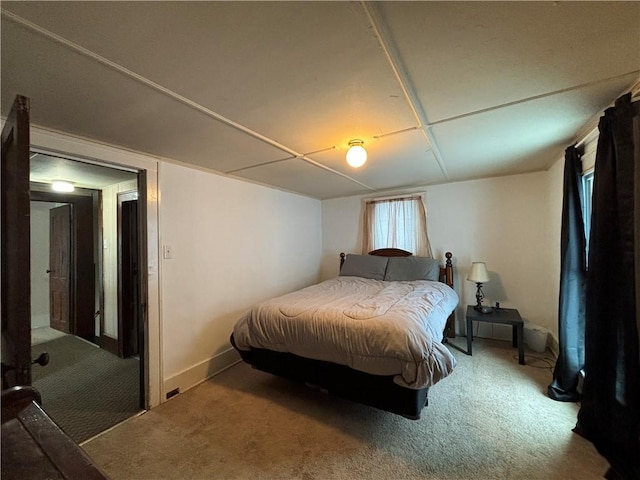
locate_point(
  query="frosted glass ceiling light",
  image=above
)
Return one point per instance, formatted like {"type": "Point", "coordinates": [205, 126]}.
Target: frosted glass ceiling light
{"type": "Point", "coordinates": [62, 186]}
{"type": "Point", "coordinates": [356, 155]}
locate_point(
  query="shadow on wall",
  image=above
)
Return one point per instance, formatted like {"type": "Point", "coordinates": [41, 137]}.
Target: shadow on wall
{"type": "Point", "coordinates": [494, 290]}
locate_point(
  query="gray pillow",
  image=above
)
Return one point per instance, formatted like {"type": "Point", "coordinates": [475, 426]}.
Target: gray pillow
{"type": "Point", "coordinates": [412, 268]}
{"type": "Point", "coordinates": [366, 266]}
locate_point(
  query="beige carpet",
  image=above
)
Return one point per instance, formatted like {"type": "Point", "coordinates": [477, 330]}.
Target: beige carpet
{"type": "Point", "coordinates": [489, 420]}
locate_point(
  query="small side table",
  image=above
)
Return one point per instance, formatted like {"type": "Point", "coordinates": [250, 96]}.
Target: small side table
{"type": "Point", "coordinates": [508, 316]}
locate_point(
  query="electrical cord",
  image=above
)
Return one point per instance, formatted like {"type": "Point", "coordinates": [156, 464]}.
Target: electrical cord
{"type": "Point", "coordinates": [547, 363]}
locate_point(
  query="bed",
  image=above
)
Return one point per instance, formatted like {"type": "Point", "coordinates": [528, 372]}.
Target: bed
{"type": "Point", "coordinates": [374, 335]}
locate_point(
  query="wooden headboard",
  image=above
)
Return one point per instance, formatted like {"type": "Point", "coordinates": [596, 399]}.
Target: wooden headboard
{"type": "Point", "coordinates": [390, 252]}
{"type": "Point", "coordinates": [446, 270]}
{"type": "Point", "coordinates": [446, 276]}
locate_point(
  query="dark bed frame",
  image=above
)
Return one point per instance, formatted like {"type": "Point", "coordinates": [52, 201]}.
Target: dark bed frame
{"type": "Point", "coordinates": [341, 381]}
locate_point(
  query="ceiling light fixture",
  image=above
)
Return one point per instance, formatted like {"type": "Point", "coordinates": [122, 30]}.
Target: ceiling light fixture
{"type": "Point", "coordinates": [356, 155]}
{"type": "Point", "coordinates": [62, 186]}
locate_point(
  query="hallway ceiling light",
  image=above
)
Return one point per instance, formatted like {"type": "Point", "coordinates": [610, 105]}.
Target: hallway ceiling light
{"type": "Point", "coordinates": [356, 155]}
{"type": "Point", "coordinates": [62, 186]}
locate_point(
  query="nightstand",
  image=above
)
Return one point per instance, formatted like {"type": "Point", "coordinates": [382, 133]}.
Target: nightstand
{"type": "Point", "coordinates": [508, 316]}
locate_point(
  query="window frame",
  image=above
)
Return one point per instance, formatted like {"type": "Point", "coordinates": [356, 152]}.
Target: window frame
{"type": "Point", "coordinates": [372, 225]}
{"type": "Point", "coordinates": [587, 207]}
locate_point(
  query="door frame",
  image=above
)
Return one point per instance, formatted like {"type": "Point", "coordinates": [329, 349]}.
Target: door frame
{"type": "Point", "coordinates": [74, 148]}
{"type": "Point", "coordinates": [83, 288]}
{"type": "Point", "coordinates": [131, 195]}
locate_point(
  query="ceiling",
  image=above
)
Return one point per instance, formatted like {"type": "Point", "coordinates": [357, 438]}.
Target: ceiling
{"type": "Point", "coordinates": [272, 92]}
{"type": "Point", "coordinates": [46, 169]}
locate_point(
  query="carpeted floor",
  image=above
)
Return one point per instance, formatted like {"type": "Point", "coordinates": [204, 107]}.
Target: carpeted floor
{"type": "Point", "coordinates": [45, 334]}
{"type": "Point", "coordinates": [489, 420]}
{"type": "Point", "coordinates": [85, 389]}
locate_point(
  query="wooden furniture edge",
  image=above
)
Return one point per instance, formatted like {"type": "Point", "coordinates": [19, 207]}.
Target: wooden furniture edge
{"type": "Point", "coordinates": [390, 252]}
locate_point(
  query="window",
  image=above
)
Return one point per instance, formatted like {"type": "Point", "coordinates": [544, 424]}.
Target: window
{"type": "Point", "coordinates": [398, 223]}
{"type": "Point", "coordinates": [587, 190]}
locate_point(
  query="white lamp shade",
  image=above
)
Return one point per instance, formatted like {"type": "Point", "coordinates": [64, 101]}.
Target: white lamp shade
{"type": "Point", "coordinates": [356, 156]}
{"type": "Point", "coordinates": [478, 273]}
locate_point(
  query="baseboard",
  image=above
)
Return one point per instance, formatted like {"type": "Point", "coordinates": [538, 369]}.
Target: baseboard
{"type": "Point", "coordinates": [200, 372]}
{"type": "Point", "coordinates": [110, 344]}
{"type": "Point", "coordinates": [41, 320]}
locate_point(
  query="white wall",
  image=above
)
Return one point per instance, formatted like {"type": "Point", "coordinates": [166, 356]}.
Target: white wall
{"type": "Point", "coordinates": [502, 221]}
{"type": "Point", "coordinates": [40, 263]}
{"type": "Point", "coordinates": [555, 178]}
{"type": "Point", "coordinates": [233, 244]}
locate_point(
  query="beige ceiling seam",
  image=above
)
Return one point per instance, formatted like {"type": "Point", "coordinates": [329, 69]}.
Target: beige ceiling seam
{"type": "Point", "coordinates": [396, 132]}
{"type": "Point", "coordinates": [384, 39]}
{"type": "Point", "coordinates": [270, 162]}
{"type": "Point", "coordinates": [170, 93]}
{"type": "Point", "coordinates": [334, 147]}
{"type": "Point", "coordinates": [535, 97]}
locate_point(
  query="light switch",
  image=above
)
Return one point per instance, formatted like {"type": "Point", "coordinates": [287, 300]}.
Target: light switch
{"type": "Point", "coordinates": [167, 252]}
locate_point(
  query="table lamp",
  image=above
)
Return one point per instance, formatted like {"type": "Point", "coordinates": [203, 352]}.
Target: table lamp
{"type": "Point", "coordinates": [479, 275]}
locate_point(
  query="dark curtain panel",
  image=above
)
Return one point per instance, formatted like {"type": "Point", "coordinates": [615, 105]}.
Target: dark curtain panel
{"type": "Point", "coordinates": [571, 303]}
{"type": "Point", "coordinates": [610, 408]}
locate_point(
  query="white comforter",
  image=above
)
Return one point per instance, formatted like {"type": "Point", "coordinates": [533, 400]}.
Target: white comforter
{"type": "Point", "coordinates": [383, 328]}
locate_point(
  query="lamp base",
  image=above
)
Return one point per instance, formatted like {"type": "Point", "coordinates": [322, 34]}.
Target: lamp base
{"type": "Point", "coordinates": [479, 298]}
{"type": "Point", "coordinates": [483, 309]}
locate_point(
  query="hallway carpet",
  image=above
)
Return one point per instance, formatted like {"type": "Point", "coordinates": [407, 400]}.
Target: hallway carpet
{"type": "Point", "coordinates": [490, 419]}
{"type": "Point", "coordinates": [85, 389]}
{"type": "Point", "coordinates": [45, 334]}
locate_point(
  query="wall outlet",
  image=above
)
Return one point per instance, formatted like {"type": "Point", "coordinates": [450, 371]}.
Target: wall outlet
{"type": "Point", "coordinates": [167, 252]}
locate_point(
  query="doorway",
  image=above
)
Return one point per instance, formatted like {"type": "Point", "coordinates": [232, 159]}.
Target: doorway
{"type": "Point", "coordinates": [60, 267]}
{"type": "Point", "coordinates": [63, 247]}
{"type": "Point", "coordinates": [128, 293]}
{"type": "Point", "coordinates": [86, 388]}
{"type": "Point", "coordinates": [21, 142]}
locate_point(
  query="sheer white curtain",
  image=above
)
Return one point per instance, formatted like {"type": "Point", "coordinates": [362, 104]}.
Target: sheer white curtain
{"type": "Point", "coordinates": [398, 223]}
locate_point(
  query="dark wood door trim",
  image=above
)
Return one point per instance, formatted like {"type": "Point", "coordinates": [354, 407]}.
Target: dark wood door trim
{"type": "Point", "coordinates": [143, 288]}
{"type": "Point", "coordinates": [100, 267]}
{"type": "Point", "coordinates": [15, 256]}
{"type": "Point", "coordinates": [128, 259]}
